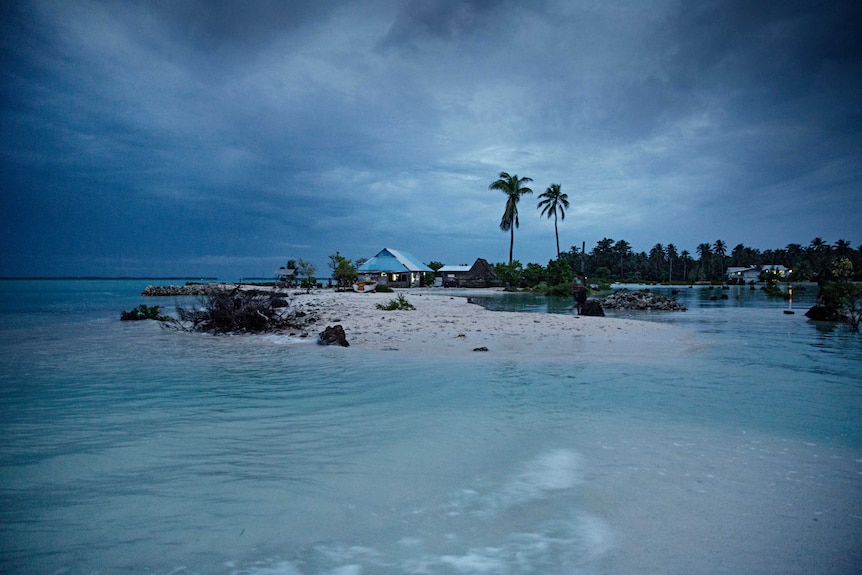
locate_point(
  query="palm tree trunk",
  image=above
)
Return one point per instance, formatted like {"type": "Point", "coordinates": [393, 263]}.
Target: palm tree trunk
{"type": "Point", "coordinates": [557, 235]}
{"type": "Point", "coordinates": [511, 243]}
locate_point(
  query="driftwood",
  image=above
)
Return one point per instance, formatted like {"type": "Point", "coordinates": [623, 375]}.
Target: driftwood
{"type": "Point", "coordinates": [240, 311]}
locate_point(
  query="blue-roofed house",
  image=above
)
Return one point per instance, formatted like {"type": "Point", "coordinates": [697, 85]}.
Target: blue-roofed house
{"type": "Point", "coordinates": [394, 267]}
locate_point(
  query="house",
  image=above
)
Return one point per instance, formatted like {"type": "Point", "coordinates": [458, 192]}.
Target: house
{"type": "Point", "coordinates": [752, 274]}
{"type": "Point", "coordinates": [286, 275]}
{"type": "Point", "coordinates": [480, 274]}
{"type": "Point", "coordinates": [394, 267]}
{"type": "Point", "coordinates": [449, 276]}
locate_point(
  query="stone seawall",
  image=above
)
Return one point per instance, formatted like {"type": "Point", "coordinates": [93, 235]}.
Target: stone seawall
{"type": "Point", "coordinates": [189, 289]}
{"type": "Point", "coordinates": [640, 300]}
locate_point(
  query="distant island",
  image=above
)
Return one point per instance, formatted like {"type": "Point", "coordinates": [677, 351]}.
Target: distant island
{"type": "Point", "coordinates": [103, 278]}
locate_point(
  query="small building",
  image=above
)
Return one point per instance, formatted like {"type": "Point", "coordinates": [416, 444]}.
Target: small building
{"type": "Point", "coordinates": [450, 276]}
{"type": "Point", "coordinates": [480, 274]}
{"type": "Point", "coordinates": [394, 267]}
{"type": "Point", "coordinates": [751, 274]}
{"type": "Point", "coordinates": [285, 275]}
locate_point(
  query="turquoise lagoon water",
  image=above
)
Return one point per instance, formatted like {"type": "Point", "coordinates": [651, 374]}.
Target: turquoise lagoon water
{"type": "Point", "coordinates": [130, 449]}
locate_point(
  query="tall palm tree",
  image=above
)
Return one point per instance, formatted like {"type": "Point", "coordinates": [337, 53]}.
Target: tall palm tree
{"type": "Point", "coordinates": [719, 250]}
{"type": "Point", "coordinates": [843, 248]}
{"type": "Point", "coordinates": [670, 250]}
{"type": "Point", "coordinates": [818, 253]}
{"type": "Point", "coordinates": [656, 261]}
{"type": "Point", "coordinates": [685, 257]}
{"type": "Point", "coordinates": [705, 251]}
{"type": "Point", "coordinates": [554, 200]}
{"type": "Point", "coordinates": [514, 188]}
{"type": "Point", "coordinates": [623, 249]}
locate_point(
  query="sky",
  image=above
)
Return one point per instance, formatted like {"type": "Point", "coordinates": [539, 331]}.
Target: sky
{"type": "Point", "coordinates": [220, 139]}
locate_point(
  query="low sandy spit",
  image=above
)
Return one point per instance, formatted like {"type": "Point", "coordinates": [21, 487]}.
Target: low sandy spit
{"type": "Point", "coordinates": [443, 324]}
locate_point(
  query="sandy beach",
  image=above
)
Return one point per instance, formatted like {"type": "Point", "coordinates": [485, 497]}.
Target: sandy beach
{"type": "Point", "coordinates": [446, 324]}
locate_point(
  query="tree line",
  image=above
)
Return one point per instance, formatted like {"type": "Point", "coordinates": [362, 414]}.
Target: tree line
{"type": "Point", "coordinates": [616, 260]}
{"type": "Point", "coordinates": [613, 260]}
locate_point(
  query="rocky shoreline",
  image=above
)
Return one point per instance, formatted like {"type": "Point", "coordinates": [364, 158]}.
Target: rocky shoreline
{"type": "Point", "coordinates": [640, 300]}
{"type": "Point", "coordinates": [198, 289]}
{"type": "Point", "coordinates": [188, 289]}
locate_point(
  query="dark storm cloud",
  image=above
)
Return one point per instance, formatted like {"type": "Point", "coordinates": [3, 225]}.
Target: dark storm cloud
{"type": "Point", "coordinates": [174, 137]}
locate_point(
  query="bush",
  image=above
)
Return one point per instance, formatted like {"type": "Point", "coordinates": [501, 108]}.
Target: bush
{"type": "Point", "coordinates": [560, 290]}
{"type": "Point", "coordinates": [384, 288]}
{"type": "Point", "coordinates": [541, 287]}
{"type": "Point", "coordinates": [397, 304]}
{"type": "Point", "coordinates": [144, 312]}
{"type": "Point", "coordinates": [772, 290]}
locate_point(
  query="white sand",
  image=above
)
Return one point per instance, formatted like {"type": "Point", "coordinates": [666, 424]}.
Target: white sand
{"type": "Point", "coordinates": [443, 324]}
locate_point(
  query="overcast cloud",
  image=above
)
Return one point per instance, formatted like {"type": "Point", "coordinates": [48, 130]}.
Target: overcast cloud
{"type": "Point", "coordinates": [222, 138]}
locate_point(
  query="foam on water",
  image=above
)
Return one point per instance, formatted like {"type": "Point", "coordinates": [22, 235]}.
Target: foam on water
{"type": "Point", "coordinates": [490, 527]}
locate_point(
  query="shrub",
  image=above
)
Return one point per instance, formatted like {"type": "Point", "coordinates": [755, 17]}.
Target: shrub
{"type": "Point", "coordinates": [560, 290]}
{"type": "Point", "coordinates": [772, 290]}
{"type": "Point", "coordinates": [144, 312]}
{"type": "Point", "coordinates": [396, 304]}
{"type": "Point", "coordinates": [541, 287]}
{"type": "Point", "coordinates": [384, 288]}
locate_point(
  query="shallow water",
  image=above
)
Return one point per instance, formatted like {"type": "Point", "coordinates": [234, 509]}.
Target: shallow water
{"type": "Point", "coordinates": [130, 449]}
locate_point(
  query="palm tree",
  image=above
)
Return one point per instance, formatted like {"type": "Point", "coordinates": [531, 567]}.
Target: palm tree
{"type": "Point", "coordinates": [656, 261]}
{"type": "Point", "coordinates": [685, 257]}
{"type": "Point", "coordinates": [623, 249]}
{"type": "Point", "coordinates": [818, 253]}
{"type": "Point", "coordinates": [705, 251]}
{"type": "Point", "coordinates": [843, 248]}
{"type": "Point", "coordinates": [551, 201]}
{"type": "Point", "coordinates": [719, 250]}
{"type": "Point", "coordinates": [513, 187]}
{"type": "Point", "coordinates": [671, 255]}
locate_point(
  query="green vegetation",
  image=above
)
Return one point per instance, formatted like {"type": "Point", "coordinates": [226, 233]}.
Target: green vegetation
{"type": "Point", "coordinates": [307, 269]}
{"type": "Point", "coordinates": [343, 270]}
{"type": "Point", "coordinates": [400, 303]}
{"type": "Point", "coordinates": [613, 260]}
{"type": "Point", "coordinates": [144, 312]}
{"type": "Point", "coordinates": [840, 292]}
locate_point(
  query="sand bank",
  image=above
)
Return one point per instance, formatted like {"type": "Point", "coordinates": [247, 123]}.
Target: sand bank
{"type": "Point", "coordinates": [445, 324]}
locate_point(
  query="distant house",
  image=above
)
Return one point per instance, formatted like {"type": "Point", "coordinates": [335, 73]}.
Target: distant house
{"type": "Point", "coordinates": [449, 276]}
{"type": "Point", "coordinates": [286, 275]}
{"type": "Point", "coordinates": [394, 267]}
{"type": "Point", "coordinates": [751, 274]}
{"type": "Point", "coordinates": [480, 274]}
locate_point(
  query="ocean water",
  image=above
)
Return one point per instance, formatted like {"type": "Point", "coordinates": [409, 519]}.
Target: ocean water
{"type": "Point", "coordinates": [131, 449]}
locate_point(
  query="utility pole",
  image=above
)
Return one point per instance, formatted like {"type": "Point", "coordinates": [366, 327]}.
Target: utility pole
{"type": "Point", "coordinates": [583, 247]}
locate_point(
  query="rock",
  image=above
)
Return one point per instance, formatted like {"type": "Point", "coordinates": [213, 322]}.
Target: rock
{"type": "Point", "coordinates": [640, 300]}
{"type": "Point", "coordinates": [592, 307]}
{"type": "Point", "coordinates": [333, 335]}
{"type": "Point", "coordinates": [480, 349]}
